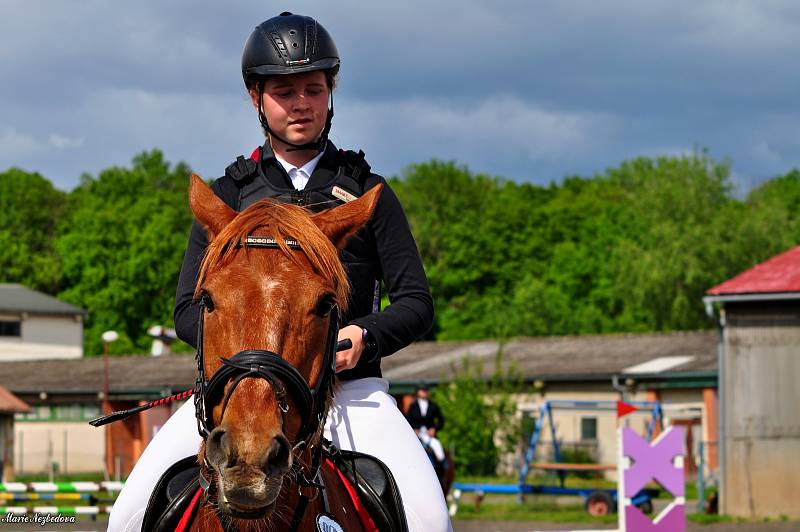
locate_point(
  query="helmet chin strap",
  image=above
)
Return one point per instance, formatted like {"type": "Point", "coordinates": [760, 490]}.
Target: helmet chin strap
{"type": "Point", "coordinates": [317, 145]}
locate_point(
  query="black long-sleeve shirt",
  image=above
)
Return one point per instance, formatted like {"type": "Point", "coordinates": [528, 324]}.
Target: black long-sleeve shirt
{"type": "Point", "coordinates": [410, 312]}
{"type": "Point", "coordinates": [433, 418]}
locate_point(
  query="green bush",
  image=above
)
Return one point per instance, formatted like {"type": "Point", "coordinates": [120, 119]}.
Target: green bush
{"type": "Point", "coordinates": [579, 455]}
{"type": "Point", "coordinates": [476, 409]}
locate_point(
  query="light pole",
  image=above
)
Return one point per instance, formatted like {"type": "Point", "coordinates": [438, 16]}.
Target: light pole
{"type": "Point", "coordinates": [107, 337]}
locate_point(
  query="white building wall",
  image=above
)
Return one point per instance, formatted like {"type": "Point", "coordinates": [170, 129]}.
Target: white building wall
{"type": "Point", "coordinates": [43, 337]}
{"type": "Point", "coordinates": [76, 447]}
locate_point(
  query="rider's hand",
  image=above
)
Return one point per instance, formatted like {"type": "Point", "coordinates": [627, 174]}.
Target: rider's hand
{"type": "Point", "coordinates": [348, 359]}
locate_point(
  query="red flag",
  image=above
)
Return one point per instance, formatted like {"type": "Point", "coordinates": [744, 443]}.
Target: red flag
{"type": "Point", "coordinates": [623, 409]}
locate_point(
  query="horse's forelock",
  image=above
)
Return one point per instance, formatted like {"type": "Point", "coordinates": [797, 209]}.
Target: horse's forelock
{"type": "Point", "coordinates": [279, 220]}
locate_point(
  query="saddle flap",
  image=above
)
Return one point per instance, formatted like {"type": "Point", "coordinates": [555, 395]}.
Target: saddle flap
{"type": "Point", "coordinates": [172, 496]}
{"type": "Point", "coordinates": [375, 486]}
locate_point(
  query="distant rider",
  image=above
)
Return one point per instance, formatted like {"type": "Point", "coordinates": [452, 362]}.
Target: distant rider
{"type": "Point", "coordinates": [426, 418]}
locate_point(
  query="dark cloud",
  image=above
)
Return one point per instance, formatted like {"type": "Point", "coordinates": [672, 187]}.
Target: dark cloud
{"type": "Point", "coordinates": [527, 90]}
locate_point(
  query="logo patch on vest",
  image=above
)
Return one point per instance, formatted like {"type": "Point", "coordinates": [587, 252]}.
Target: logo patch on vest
{"type": "Point", "coordinates": [342, 194]}
{"type": "Point", "coordinates": [325, 523]}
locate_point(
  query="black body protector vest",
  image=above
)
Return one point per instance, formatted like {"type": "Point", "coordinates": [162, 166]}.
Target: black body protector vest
{"type": "Point", "coordinates": [344, 183]}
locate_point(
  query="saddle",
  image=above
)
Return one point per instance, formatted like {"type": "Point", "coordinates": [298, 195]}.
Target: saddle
{"type": "Point", "coordinates": [175, 494]}
{"type": "Point", "coordinates": [375, 486]}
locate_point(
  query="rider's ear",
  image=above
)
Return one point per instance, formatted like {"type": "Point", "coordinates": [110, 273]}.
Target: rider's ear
{"type": "Point", "coordinates": [208, 208]}
{"type": "Point", "coordinates": [342, 222]}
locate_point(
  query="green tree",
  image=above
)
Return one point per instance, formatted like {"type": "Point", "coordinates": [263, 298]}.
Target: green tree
{"type": "Point", "coordinates": [631, 249]}
{"type": "Point", "coordinates": [476, 409]}
{"type": "Point", "coordinates": [29, 209]}
{"type": "Point", "coordinates": [770, 218]}
{"type": "Point", "coordinates": [121, 248]}
{"type": "Point", "coordinates": [472, 231]}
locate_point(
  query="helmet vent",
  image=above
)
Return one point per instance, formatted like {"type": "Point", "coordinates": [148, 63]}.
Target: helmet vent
{"type": "Point", "coordinates": [292, 32]}
{"type": "Point", "coordinates": [294, 45]}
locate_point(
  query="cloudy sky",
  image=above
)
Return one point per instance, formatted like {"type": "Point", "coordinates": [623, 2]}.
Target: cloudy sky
{"type": "Point", "coordinates": [527, 90]}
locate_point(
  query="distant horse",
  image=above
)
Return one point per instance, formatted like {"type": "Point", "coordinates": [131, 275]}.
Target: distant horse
{"type": "Point", "coordinates": [445, 470]}
{"type": "Point", "coordinates": [271, 288]}
{"type": "Point", "coordinates": [447, 474]}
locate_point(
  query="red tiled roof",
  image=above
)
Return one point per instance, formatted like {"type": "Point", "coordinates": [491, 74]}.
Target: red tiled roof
{"type": "Point", "coordinates": [11, 404]}
{"type": "Point", "coordinates": [781, 273]}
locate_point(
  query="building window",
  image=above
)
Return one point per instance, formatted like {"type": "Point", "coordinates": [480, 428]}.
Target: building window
{"type": "Point", "coordinates": [10, 328]}
{"type": "Point", "coordinates": [588, 428]}
{"type": "Point", "coordinates": [39, 413]}
{"type": "Point", "coordinates": [90, 412]}
{"type": "Point", "coordinates": [69, 412]}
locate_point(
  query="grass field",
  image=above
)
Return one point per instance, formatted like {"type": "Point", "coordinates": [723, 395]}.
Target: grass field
{"type": "Point", "coordinates": [537, 508]}
{"type": "Point", "coordinates": [496, 507]}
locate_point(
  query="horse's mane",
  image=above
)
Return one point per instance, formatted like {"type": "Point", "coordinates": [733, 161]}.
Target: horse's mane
{"type": "Point", "coordinates": [279, 220]}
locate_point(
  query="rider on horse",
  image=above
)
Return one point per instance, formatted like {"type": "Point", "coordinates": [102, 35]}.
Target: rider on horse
{"type": "Point", "coordinates": [426, 418]}
{"type": "Point", "coordinates": [289, 67]}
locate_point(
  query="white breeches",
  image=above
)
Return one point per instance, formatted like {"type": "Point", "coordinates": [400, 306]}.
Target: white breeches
{"type": "Point", "coordinates": [364, 418]}
{"type": "Point", "coordinates": [432, 442]}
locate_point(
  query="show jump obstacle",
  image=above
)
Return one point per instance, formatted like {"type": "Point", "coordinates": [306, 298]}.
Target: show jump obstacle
{"type": "Point", "coordinates": [27, 498]}
{"type": "Point", "coordinates": [641, 462]}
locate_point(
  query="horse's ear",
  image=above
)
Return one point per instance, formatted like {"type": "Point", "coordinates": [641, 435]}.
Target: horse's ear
{"type": "Point", "coordinates": [208, 208]}
{"type": "Point", "coordinates": [342, 222]}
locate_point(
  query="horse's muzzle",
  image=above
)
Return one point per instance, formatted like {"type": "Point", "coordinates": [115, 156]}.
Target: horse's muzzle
{"type": "Point", "coordinates": [244, 503]}
{"type": "Point", "coordinates": [247, 494]}
{"type": "Point", "coordinates": [249, 481]}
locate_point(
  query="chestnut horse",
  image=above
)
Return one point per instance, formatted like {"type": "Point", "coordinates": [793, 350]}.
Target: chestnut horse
{"type": "Point", "coordinates": [271, 287]}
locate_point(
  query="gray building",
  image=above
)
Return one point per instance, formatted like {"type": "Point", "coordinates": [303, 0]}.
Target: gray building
{"type": "Point", "coordinates": [759, 346]}
{"type": "Point", "coordinates": [36, 326]}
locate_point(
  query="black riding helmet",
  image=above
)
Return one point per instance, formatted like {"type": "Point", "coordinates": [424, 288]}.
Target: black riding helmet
{"type": "Point", "coordinates": [289, 44]}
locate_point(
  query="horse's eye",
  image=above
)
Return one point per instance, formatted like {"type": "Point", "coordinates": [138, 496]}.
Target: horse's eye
{"type": "Point", "coordinates": [206, 299]}
{"type": "Point", "coordinates": [325, 305]}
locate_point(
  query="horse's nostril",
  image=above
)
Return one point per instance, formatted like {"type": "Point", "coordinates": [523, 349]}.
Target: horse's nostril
{"type": "Point", "coordinates": [278, 456]}
{"type": "Point", "coordinates": [217, 448]}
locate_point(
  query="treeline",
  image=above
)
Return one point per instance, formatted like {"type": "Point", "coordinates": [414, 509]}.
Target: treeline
{"type": "Point", "coordinates": [632, 249]}
{"type": "Point", "coordinates": [112, 246]}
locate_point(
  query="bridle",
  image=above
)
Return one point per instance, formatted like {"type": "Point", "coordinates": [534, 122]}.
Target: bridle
{"type": "Point", "coordinates": [267, 365]}
{"type": "Point", "coordinates": [284, 379]}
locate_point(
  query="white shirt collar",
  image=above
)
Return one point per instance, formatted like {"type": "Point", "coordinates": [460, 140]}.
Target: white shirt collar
{"type": "Point", "coordinates": [423, 406]}
{"type": "Point", "coordinates": [300, 176]}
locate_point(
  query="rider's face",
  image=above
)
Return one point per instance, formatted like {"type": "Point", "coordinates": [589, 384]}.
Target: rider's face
{"type": "Point", "coordinates": [296, 105]}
